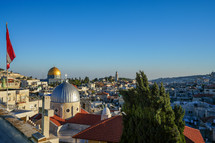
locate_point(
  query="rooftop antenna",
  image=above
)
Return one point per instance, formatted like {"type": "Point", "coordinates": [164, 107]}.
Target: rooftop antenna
{"type": "Point", "coordinates": [66, 78]}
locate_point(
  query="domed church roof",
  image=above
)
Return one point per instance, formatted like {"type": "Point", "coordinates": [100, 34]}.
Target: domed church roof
{"type": "Point", "coordinates": [65, 93]}
{"type": "Point", "coordinates": [54, 71]}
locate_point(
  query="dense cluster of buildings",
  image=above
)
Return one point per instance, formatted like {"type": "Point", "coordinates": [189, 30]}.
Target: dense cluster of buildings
{"type": "Point", "coordinates": [91, 112]}
{"type": "Point", "coordinates": [196, 94]}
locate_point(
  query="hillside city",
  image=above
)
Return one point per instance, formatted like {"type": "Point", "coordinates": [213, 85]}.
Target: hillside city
{"type": "Point", "coordinates": [101, 96]}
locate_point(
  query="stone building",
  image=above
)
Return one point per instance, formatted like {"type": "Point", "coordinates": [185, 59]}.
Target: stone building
{"type": "Point", "coordinates": [69, 118]}
{"type": "Point", "coordinates": [71, 123]}
{"type": "Point", "coordinates": [19, 99]}
{"type": "Point", "coordinates": [65, 101]}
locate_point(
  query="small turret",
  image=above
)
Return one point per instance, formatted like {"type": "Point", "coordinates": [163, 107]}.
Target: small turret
{"type": "Point", "coordinates": [105, 113]}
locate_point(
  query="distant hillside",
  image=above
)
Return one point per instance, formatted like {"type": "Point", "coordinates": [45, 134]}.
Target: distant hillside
{"type": "Point", "coordinates": [169, 79]}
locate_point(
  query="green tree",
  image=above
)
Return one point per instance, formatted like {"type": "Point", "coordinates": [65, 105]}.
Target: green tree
{"type": "Point", "coordinates": [75, 81]}
{"type": "Point", "coordinates": [170, 131]}
{"type": "Point", "coordinates": [148, 116]}
{"type": "Point", "coordinates": [110, 79]}
{"type": "Point", "coordinates": [106, 78]}
{"type": "Point", "coordinates": [86, 80]}
{"type": "Point", "coordinates": [95, 80]}
{"type": "Point", "coordinates": [179, 115]}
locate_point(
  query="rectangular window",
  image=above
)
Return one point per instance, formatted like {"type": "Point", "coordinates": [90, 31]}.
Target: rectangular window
{"type": "Point", "coordinates": [72, 110]}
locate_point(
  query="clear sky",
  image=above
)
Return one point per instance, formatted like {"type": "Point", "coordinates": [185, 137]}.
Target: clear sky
{"type": "Point", "coordinates": [95, 38]}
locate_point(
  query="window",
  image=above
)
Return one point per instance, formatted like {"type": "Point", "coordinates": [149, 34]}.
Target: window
{"type": "Point", "coordinates": [56, 110]}
{"type": "Point", "coordinates": [67, 110]}
{"type": "Point", "coordinates": [72, 110]}
{"type": "Point", "coordinates": [77, 109]}
{"type": "Point", "coordinates": [190, 112]}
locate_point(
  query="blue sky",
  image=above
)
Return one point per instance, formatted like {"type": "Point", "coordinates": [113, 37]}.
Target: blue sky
{"type": "Point", "coordinates": [94, 38]}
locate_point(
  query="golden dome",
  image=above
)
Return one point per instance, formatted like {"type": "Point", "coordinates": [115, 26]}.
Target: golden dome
{"type": "Point", "coordinates": [54, 71]}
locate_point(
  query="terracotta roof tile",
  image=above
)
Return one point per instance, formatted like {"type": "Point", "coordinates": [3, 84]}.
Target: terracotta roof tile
{"type": "Point", "coordinates": [75, 86]}
{"type": "Point", "coordinates": [57, 120]}
{"type": "Point", "coordinates": [109, 130]}
{"type": "Point", "coordinates": [102, 93]}
{"type": "Point", "coordinates": [193, 135]}
{"type": "Point", "coordinates": [85, 119]}
{"type": "Point", "coordinates": [79, 118]}
{"type": "Point", "coordinates": [36, 117]}
{"type": "Point", "coordinates": [84, 111]}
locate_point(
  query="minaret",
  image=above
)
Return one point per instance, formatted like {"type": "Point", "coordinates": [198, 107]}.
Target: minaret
{"type": "Point", "coordinates": [116, 76]}
{"type": "Point", "coordinates": [46, 114]}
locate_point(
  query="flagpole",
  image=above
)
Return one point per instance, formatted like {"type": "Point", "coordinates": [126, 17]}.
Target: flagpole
{"type": "Point", "coordinates": [7, 88]}
{"type": "Point", "coordinates": [7, 69]}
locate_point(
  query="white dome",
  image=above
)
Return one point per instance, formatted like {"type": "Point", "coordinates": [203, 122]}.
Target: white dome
{"type": "Point", "coordinates": [106, 111]}
{"type": "Point", "coordinates": [65, 93]}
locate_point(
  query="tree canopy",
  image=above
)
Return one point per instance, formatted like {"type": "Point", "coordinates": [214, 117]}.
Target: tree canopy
{"type": "Point", "coordinates": [79, 81]}
{"type": "Point", "coordinates": [148, 116]}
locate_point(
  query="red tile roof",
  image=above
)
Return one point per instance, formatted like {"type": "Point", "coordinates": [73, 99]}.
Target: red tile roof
{"type": "Point", "coordinates": [193, 135]}
{"type": "Point", "coordinates": [84, 111]}
{"type": "Point", "coordinates": [85, 119]}
{"type": "Point", "coordinates": [36, 117]}
{"type": "Point", "coordinates": [112, 97]}
{"type": "Point", "coordinates": [109, 130]}
{"type": "Point", "coordinates": [75, 86]}
{"type": "Point", "coordinates": [79, 118]}
{"type": "Point", "coordinates": [57, 120]}
{"type": "Point", "coordinates": [102, 93]}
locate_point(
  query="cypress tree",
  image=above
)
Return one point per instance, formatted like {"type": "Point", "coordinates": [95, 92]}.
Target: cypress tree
{"type": "Point", "coordinates": [179, 114]}
{"type": "Point", "coordinates": [148, 116]}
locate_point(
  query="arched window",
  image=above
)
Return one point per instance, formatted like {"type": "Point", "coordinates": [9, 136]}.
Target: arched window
{"type": "Point", "coordinates": [72, 110]}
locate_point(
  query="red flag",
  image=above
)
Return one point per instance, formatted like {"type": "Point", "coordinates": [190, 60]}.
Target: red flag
{"type": "Point", "coordinates": [10, 52]}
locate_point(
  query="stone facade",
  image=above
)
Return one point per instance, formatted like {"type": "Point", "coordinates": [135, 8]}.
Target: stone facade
{"type": "Point", "coordinates": [66, 110]}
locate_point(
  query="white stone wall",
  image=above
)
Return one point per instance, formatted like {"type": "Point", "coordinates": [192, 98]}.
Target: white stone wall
{"type": "Point", "coordinates": [11, 96]}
